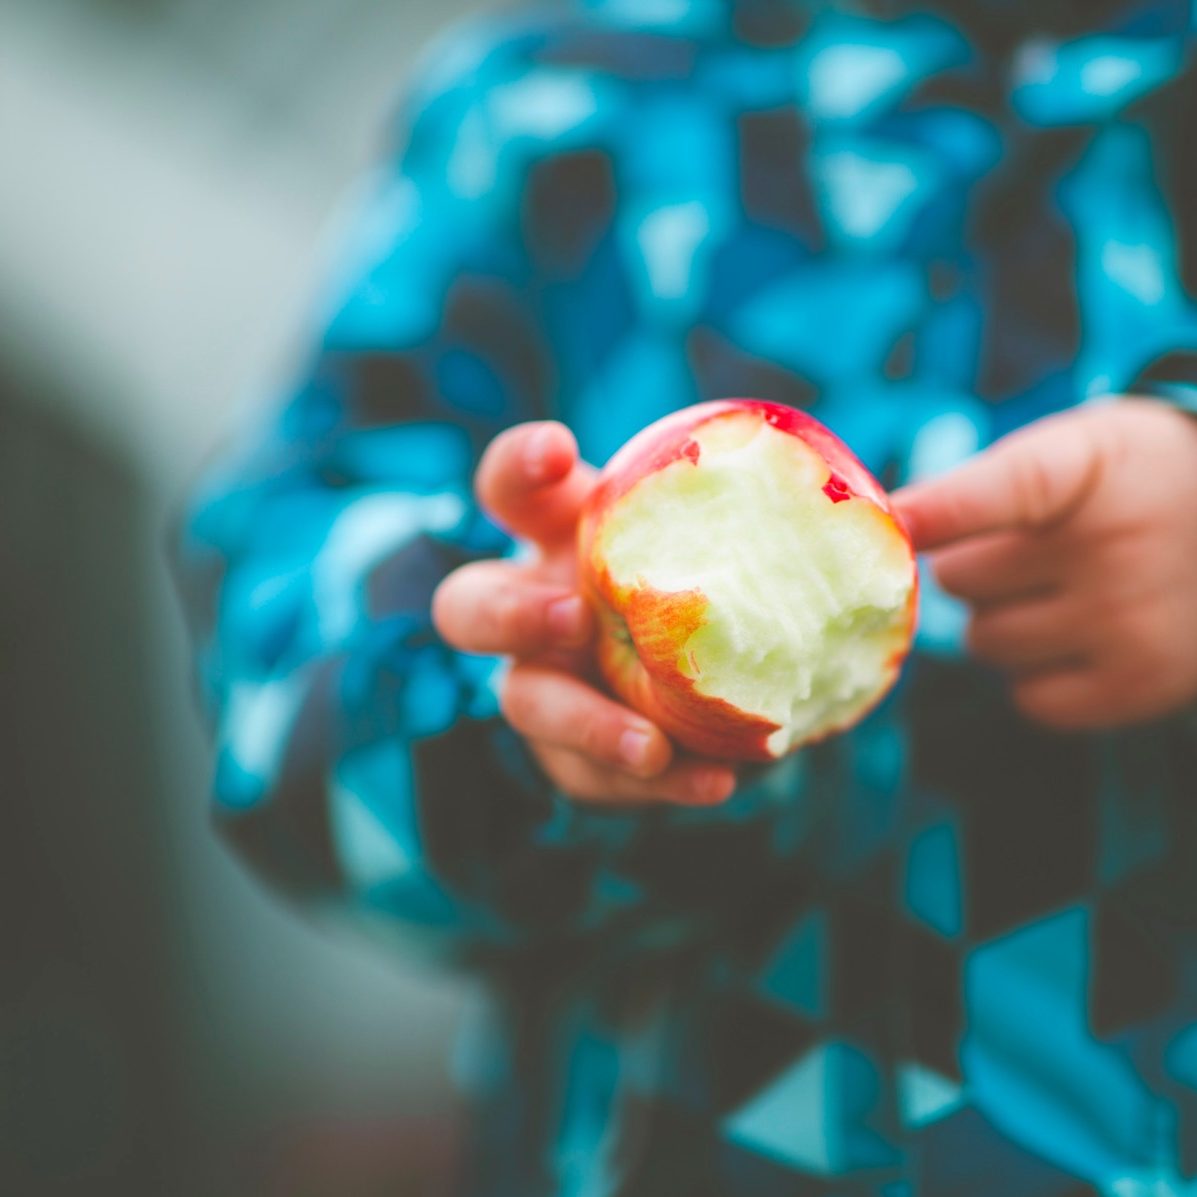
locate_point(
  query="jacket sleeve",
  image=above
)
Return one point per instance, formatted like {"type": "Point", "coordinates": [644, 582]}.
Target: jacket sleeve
{"type": "Point", "coordinates": [360, 762]}
{"type": "Point", "coordinates": [1131, 198]}
{"type": "Point", "coordinates": [1167, 366]}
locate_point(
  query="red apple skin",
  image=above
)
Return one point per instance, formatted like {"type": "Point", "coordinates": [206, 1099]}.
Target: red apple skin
{"type": "Point", "coordinates": [642, 630]}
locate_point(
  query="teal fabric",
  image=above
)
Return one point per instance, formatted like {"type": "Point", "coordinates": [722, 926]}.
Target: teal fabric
{"type": "Point", "coordinates": [945, 953]}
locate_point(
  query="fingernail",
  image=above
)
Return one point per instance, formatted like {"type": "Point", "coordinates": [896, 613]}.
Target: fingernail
{"type": "Point", "coordinates": [567, 621]}
{"type": "Point", "coordinates": [634, 747]}
{"type": "Point", "coordinates": [537, 452]}
{"type": "Point", "coordinates": [712, 786]}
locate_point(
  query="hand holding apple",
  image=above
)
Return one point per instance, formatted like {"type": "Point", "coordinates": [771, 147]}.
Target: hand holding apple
{"type": "Point", "coordinates": [1074, 540]}
{"type": "Point", "coordinates": [531, 481]}
{"type": "Point", "coordinates": [755, 592]}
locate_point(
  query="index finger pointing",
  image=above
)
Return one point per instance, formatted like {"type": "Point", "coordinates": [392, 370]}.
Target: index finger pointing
{"type": "Point", "coordinates": [531, 481]}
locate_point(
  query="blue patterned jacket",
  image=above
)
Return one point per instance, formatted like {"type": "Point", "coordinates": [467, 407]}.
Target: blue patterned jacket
{"type": "Point", "coordinates": [948, 953]}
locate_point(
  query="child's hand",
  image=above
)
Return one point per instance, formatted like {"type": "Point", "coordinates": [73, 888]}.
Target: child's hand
{"type": "Point", "coordinates": [531, 481]}
{"type": "Point", "coordinates": [1074, 541]}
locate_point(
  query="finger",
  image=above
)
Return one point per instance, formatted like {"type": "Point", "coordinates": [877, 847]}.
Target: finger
{"type": "Point", "coordinates": [1030, 480]}
{"type": "Point", "coordinates": [1067, 699]}
{"type": "Point", "coordinates": [495, 607]}
{"type": "Point", "coordinates": [1029, 635]}
{"type": "Point", "coordinates": [997, 568]}
{"type": "Point", "coordinates": [556, 708]}
{"type": "Point", "coordinates": [531, 481]}
{"type": "Point", "coordinates": [685, 782]}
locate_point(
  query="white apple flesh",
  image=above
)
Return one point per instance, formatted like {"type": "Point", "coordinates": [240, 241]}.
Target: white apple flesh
{"type": "Point", "coordinates": [756, 591]}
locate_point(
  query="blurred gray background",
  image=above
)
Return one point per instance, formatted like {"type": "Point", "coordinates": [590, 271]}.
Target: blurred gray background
{"type": "Point", "coordinates": [167, 169]}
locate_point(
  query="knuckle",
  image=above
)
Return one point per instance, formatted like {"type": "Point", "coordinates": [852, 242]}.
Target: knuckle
{"type": "Point", "coordinates": [1053, 477]}
{"type": "Point", "coordinates": [505, 612]}
{"type": "Point", "coordinates": [677, 788]}
{"type": "Point", "coordinates": [595, 739]}
{"type": "Point", "coordinates": [1035, 489]}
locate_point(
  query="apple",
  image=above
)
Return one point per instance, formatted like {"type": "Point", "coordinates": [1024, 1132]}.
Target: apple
{"type": "Point", "coordinates": [755, 590]}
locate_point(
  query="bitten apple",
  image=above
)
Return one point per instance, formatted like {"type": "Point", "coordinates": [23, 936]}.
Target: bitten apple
{"type": "Point", "coordinates": [755, 590]}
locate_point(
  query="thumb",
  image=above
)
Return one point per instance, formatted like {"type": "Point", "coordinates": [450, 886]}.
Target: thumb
{"type": "Point", "coordinates": [1030, 480]}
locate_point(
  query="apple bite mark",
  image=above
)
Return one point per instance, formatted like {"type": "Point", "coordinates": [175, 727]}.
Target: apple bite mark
{"type": "Point", "coordinates": [763, 615]}
{"type": "Point", "coordinates": [662, 628]}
